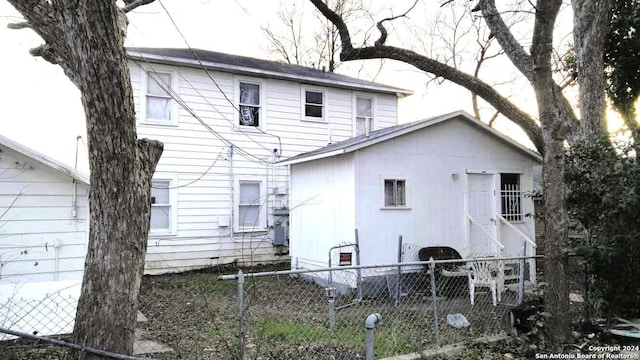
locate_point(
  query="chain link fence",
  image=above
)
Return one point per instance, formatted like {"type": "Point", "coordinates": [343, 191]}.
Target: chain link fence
{"type": "Point", "coordinates": [304, 314]}
{"type": "Point", "coordinates": [321, 313]}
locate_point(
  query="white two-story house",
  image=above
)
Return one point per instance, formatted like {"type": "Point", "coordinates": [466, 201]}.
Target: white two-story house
{"type": "Point", "coordinates": [217, 196]}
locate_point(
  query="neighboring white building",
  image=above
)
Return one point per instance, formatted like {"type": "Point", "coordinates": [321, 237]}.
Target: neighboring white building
{"type": "Point", "coordinates": [224, 120]}
{"type": "Point", "coordinates": [451, 186]}
{"type": "Point", "coordinates": [44, 214]}
{"type": "Point", "coordinates": [44, 227]}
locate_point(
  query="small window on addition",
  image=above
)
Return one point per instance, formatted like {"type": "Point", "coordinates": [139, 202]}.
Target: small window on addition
{"type": "Point", "coordinates": [394, 193]}
{"type": "Point", "coordinates": [511, 197]}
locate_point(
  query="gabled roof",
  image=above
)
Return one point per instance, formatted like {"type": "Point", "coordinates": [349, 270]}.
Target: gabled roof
{"type": "Point", "coordinates": [385, 134]}
{"type": "Point", "coordinates": [257, 67]}
{"type": "Point", "coordinates": [51, 163]}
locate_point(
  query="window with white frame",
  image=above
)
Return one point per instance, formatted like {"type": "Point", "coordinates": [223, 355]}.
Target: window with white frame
{"type": "Point", "coordinates": [158, 103]}
{"type": "Point", "coordinates": [249, 104]}
{"type": "Point", "coordinates": [395, 193]}
{"type": "Point", "coordinates": [161, 212]}
{"type": "Point", "coordinates": [364, 115]}
{"type": "Point", "coordinates": [314, 105]}
{"type": "Point", "coordinates": [250, 209]}
{"type": "Point", "coordinates": [511, 197]}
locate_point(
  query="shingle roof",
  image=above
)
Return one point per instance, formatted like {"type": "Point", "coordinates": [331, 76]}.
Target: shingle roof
{"type": "Point", "coordinates": [252, 66]}
{"type": "Point", "coordinates": [391, 132]}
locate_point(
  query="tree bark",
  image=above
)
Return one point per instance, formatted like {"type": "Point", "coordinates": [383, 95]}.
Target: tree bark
{"type": "Point", "coordinates": [555, 115]}
{"type": "Point", "coordinates": [554, 134]}
{"type": "Point", "coordinates": [424, 63]}
{"type": "Point", "coordinates": [87, 40]}
{"type": "Point", "coordinates": [591, 23]}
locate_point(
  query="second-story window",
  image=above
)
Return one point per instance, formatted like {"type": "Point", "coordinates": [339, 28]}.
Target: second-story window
{"type": "Point", "coordinates": [249, 105]}
{"type": "Point", "coordinates": [159, 107]}
{"type": "Point", "coordinates": [364, 115]}
{"type": "Point", "coordinates": [314, 105]}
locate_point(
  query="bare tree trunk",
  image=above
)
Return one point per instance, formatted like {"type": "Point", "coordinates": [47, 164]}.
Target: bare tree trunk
{"type": "Point", "coordinates": [591, 23]}
{"type": "Point", "coordinates": [554, 132]}
{"type": "Point", "coordinates": [87, 40]}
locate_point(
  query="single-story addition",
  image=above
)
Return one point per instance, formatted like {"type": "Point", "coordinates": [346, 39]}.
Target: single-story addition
{"type": "Point", "coordinates": [44, 227]}
{"type": "Point", "coordinates": [451, 186]}
{"type": "Point", "coordinates": [44, 217]}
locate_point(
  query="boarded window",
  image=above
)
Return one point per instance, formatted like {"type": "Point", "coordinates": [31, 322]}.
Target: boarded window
{"type": "Point", "coordinates": [394, 193]}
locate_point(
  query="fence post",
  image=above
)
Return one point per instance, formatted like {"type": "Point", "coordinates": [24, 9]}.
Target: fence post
{"type": "Point", "coordinates": [241, 313]}
{"type": "Point", "coordinates": [398, 283]}
{"type": "Point", "coordinates": [521, 267]}
{"type": "Point", "coordinates": [432, 271]}
{"type": "Point", "coordinates": [358, 271]}
{"type": "Point", "coordinates": [331, 296]}
{"type": "Point", "coordinates": [370, 324]}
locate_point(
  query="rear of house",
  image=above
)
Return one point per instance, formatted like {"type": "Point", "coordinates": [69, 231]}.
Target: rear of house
{"type": "Point", "coordinates": [224, 120]}
{"type": "Point", "coordinates": [451, 186]}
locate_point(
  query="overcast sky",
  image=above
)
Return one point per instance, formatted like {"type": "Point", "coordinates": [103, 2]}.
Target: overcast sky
{"type": "Point", "coordinates": [40, 108]}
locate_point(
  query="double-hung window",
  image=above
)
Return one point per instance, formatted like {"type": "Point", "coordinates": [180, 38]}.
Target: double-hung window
{"type": "Point", "coordinates": [159, 107]}
{"type": "Point", "coordinates": [314, 105]}
{"type": "Point", "coordinates": [251, 209]}
{"type": "Point", "coordinates": [249, 104]}
{"type": "Point", "coordinates": [364, 115]}
{"type": "Point", "coordinates": [395, 193]}
{"type": "Point", "coordinates": [511, 197]}
{"type": "Point", "coordinates": [161, 211]}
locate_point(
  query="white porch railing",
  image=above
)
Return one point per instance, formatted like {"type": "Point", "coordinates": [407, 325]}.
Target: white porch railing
{"type": "Point", "coordinates": [527, 241]}
{"type": "Point", "coordinates": [518, 231]}
{"type": "Point", "coordinates": [491, 236]}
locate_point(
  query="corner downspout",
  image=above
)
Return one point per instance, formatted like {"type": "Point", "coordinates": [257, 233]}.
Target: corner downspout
{"type": "Point", "coordinates": [231, 199]}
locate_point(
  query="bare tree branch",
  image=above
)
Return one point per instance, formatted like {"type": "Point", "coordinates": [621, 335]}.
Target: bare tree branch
{"type": "Point", "coordinates": [507, 41]}
{"type": "Point", "coordinates": [18, 26]}
{"type": "Point", "coordinates": [518, 56]}
{"type": "Point", "coordinates": [472, 83]}
{"type": "Point", "coordinates": [133, 4]}
{"type": "Point", "coordinates": [383, 31]}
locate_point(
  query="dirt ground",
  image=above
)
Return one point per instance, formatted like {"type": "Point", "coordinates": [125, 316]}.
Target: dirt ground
{"type": "Point", "coordinates": [196, 316]}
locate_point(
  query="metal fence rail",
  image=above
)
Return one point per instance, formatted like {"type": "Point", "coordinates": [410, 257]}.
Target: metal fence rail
{"type": "Point", "coordinates": [319, 313]}
{"type": "Point", "coordinates": [304, 313]}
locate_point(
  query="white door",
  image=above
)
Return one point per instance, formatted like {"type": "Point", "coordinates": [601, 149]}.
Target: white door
{"type": "Point", "coordinates": [481, 208]}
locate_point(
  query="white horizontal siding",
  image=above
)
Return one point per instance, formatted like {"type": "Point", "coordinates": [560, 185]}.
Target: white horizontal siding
{"type": "Point", "coordinates": [190, 149]}
{"type": "Point", "coordinates": [41, 237]}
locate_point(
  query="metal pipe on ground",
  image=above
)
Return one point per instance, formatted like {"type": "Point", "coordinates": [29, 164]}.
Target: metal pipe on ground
{"type": "Point", "coordinates": [370, 324]}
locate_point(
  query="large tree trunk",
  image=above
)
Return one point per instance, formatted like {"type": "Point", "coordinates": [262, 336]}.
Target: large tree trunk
{"type": "Point", "coordinates": [87, 40]}
{"type": "Point", "coordinates": [121, 171]}
{"type": "Point", "coordinates": [554, 132]}
{"type": "Point", "coordinates": [591, 23]}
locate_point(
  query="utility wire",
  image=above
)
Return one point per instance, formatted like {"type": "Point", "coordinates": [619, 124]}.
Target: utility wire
{"type": "Point", "coordinates": [194, 181]}
{"type": "Point", "coordinates": [211, 77]}
{"type": "Point", "coordinates": [176, 97]}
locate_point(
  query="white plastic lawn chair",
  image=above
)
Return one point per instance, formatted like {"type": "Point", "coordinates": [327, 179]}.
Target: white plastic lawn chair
{"type": "Point", "coordinates": [481, 274]}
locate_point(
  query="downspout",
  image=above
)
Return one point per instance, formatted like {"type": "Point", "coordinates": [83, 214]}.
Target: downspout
{"type": "Point", "coordinates": [232, 222]}
{"type": "Point", "coordinates": [74, 205]}
{"type": "Point", "coordinates": [56, 265]}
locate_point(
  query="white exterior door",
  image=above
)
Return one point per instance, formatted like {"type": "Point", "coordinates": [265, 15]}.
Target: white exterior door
{"type": "Point", "coordinates": [481, 207]}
